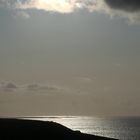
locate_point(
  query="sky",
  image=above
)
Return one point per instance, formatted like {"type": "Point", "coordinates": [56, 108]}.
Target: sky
{"type": "Point", "coordinates": [69, 57]}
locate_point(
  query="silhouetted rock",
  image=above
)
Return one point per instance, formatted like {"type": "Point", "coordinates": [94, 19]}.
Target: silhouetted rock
{"type": "Point", "coordinates": [42, 130]}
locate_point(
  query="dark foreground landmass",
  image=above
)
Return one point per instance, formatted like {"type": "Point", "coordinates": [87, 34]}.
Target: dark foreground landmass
{"type": "Point", "coordinates": [30, 129]}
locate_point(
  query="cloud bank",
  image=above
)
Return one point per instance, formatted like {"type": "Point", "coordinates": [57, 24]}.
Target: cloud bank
{"type": "Point", "coordinates": [129, 9]}
{"type": "Point", "coordinates": [45, 88]}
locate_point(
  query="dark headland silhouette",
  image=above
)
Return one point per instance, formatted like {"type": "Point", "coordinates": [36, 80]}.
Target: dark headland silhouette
{"type": "Point", "coordinates": [42, 130]}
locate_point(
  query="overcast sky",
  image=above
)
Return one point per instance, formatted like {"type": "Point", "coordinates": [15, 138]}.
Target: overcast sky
{"type": "Point", "coordinates": [70, 57]}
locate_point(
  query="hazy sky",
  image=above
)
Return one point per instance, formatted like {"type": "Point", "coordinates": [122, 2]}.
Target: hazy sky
{"type": "Point", "coordinates": [70, 57]}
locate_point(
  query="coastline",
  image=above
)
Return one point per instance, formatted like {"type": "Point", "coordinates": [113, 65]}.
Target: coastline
{"type": "Point", "coordinates": [34, 129]}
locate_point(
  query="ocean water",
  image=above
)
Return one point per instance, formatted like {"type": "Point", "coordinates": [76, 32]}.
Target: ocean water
{"type": "Point", "coordinates": [122, 128]}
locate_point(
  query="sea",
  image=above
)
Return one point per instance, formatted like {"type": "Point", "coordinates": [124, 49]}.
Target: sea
{"type": "Point", "coordinates": [122, 128]}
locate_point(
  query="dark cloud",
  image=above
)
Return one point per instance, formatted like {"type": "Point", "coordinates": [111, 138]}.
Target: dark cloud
{"type": "Point", "coordinates": [33, 87]}
{"type": "Point", "coordinates": [11, 86]}
{"type": "Point", "coordinates": [125, 5]}
{"type": "Point", "coordinates": [8, 86]}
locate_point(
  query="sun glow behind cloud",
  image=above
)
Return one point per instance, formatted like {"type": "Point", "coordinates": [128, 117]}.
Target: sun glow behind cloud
{"type": "Point", "coordinates": [61, 6]}
{"type": "Point", "coordinates": [129, 10]}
